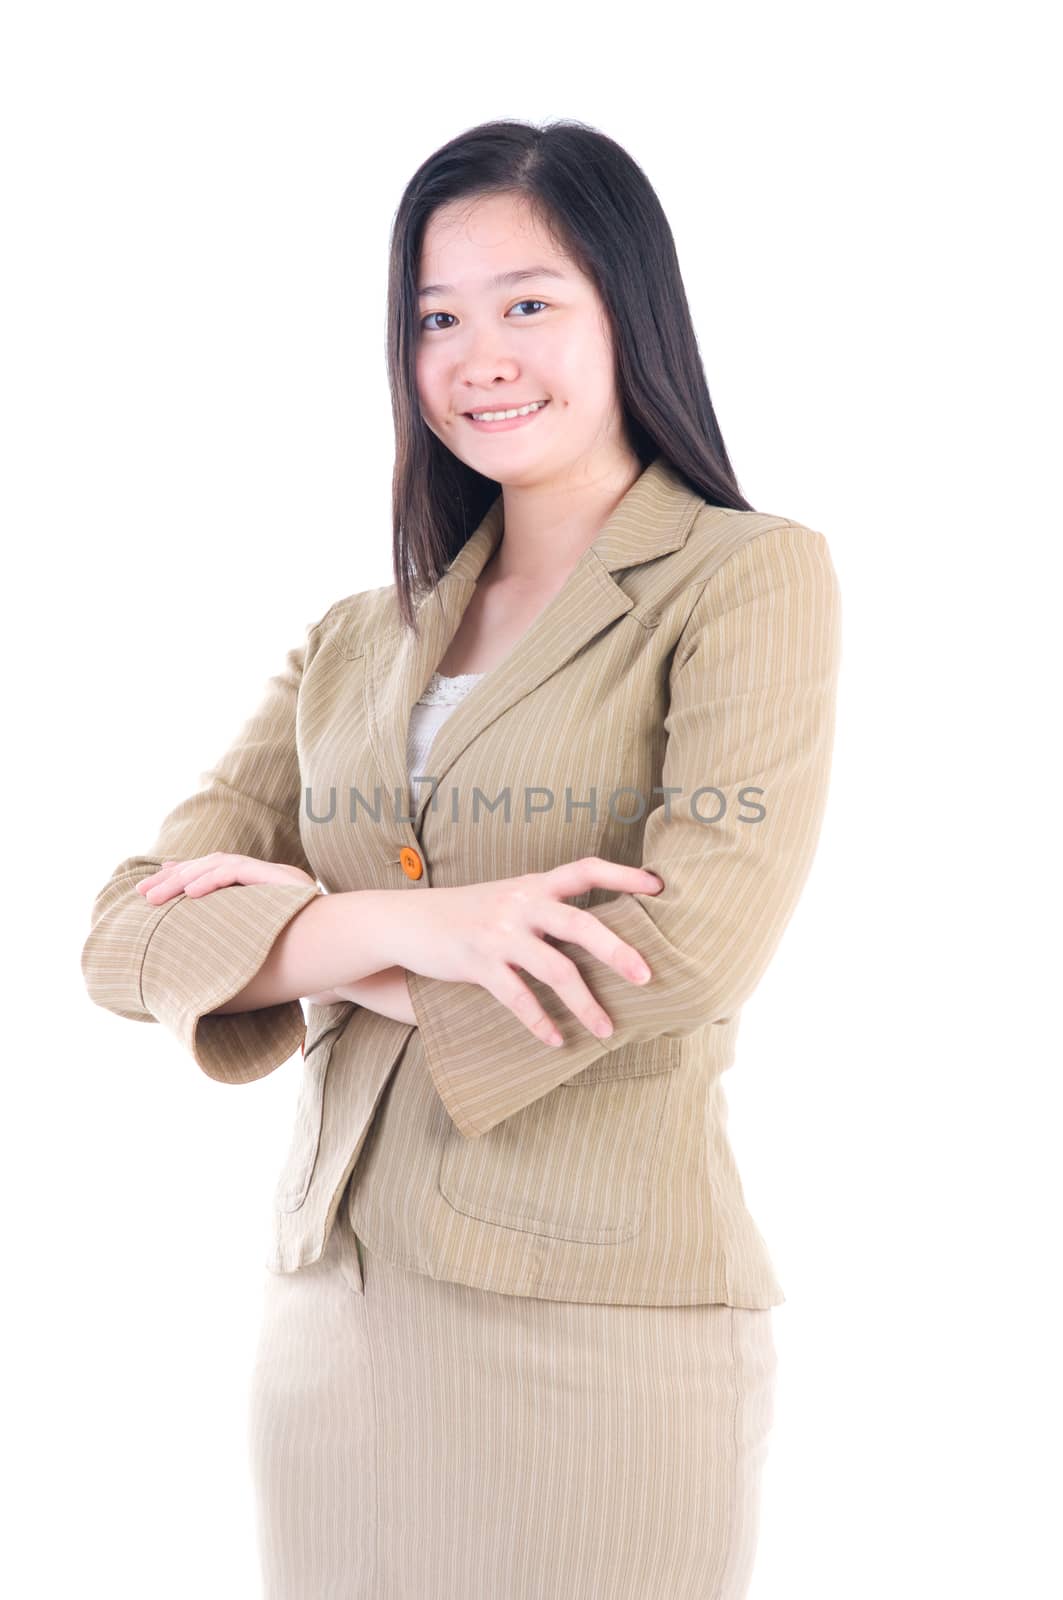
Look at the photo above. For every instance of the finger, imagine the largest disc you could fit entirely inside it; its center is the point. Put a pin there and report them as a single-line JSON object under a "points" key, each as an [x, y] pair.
{"points": [[594, 872], [240, 869], [559, 973], [551, 966], [217, 878], [581, 927], [231, 869], [191, 867], [512, 992], [162, 886], [163, 892], [156, 877]]}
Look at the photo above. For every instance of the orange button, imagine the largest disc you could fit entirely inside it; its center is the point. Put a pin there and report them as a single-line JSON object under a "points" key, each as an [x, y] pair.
{"points": [[412, 864]]}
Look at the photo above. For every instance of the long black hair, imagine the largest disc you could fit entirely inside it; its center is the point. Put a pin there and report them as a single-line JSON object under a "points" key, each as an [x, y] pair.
{"points": [[597, 205]]}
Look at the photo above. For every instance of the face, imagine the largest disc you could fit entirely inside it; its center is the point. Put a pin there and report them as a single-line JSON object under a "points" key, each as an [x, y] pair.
{"points": [[542, 335]]}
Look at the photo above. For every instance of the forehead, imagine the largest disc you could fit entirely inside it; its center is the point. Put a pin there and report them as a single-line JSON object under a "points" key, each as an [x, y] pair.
{"points": [[487, 244]]}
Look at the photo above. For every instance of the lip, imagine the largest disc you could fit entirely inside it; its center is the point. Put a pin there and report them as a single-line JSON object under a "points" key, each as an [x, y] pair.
{"points": [[507, 422]]}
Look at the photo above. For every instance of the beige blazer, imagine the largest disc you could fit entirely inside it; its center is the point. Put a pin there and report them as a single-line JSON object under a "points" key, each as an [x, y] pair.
{"points": [[672, 705]]}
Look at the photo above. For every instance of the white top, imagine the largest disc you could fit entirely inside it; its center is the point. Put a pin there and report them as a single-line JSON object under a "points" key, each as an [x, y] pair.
{"points": [[427, 717]]}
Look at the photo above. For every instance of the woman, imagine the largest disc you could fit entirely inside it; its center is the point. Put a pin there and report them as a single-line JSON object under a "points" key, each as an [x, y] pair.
{"points": [[516, 1336]]}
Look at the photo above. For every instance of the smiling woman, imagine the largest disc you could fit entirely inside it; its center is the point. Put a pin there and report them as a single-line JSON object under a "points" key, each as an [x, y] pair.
{"points": [[542, 358], [514, 1283]]}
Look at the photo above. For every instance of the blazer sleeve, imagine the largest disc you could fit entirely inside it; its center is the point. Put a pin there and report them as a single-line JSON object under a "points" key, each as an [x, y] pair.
{"points": [[175, 962], [752, 707]]}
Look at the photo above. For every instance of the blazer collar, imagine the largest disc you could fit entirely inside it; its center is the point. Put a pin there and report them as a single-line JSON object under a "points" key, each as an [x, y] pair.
{"points": [[654, 518]]}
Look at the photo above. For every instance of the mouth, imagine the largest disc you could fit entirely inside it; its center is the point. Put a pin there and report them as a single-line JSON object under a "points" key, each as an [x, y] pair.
{"points": [[506, 423]]}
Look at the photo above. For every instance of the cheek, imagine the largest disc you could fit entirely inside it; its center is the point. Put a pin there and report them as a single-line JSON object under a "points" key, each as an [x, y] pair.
{"points": [[432, 406], [427, 383], [581, 365]]}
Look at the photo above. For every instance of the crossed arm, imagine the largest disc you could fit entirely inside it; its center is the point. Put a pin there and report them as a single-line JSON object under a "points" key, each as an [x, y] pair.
{"points": [[753, 684]]}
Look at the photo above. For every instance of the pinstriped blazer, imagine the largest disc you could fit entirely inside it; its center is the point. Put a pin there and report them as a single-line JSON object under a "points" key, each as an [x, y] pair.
{"points": [[673, 705]]}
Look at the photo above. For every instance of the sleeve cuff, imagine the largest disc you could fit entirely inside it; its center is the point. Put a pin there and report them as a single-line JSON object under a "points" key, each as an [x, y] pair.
{"points": [[485, 1064], [201, 953]]}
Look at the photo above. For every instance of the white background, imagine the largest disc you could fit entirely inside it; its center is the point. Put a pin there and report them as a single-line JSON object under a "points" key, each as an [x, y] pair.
{"points": [[197, 440]]}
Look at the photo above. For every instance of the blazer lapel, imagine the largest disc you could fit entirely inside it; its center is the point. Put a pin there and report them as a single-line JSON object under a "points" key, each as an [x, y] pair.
{"points": [[653, 518]]}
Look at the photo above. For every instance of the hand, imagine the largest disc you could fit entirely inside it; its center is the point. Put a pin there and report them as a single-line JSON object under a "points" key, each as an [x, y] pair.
{"points": [[480, 932], [217, 871]]}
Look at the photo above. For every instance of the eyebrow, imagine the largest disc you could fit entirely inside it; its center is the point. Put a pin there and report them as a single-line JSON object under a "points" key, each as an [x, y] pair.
{"points": [[499, 281]]}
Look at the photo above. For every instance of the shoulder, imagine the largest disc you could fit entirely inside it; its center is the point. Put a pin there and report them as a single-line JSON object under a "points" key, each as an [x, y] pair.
{"points": [[732, 554], [721, 538], [351, 621], [726, 556], [756, 571]]}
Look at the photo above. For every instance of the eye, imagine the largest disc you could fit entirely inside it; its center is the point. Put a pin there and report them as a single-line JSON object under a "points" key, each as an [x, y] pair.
{"points": [[433, 314], [430, 314]]}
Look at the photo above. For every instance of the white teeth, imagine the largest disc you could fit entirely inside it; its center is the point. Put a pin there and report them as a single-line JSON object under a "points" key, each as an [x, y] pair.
{"points": [[497, 416]]}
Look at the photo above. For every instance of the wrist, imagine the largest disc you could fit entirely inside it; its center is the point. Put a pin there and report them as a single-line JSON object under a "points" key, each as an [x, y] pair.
{"points": [[390, 912]]}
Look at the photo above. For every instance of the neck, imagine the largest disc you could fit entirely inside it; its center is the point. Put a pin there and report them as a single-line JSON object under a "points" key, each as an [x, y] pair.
{"points": [[547, 527]]}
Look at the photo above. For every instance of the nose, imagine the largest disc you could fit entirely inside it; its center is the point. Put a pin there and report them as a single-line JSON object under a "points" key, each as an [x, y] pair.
{"points": [[485, 364]]}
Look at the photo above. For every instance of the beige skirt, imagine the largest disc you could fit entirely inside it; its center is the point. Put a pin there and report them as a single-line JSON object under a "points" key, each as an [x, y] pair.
{"points": [[412, 1439]]}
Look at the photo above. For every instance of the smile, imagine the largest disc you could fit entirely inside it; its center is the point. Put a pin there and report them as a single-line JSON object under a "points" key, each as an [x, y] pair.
{"points": [[503, 420]]}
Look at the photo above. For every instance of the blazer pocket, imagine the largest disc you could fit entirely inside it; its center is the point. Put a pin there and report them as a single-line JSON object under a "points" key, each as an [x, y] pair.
{"points": [[326, 1025], [568, 1166], [642, 1059]]}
